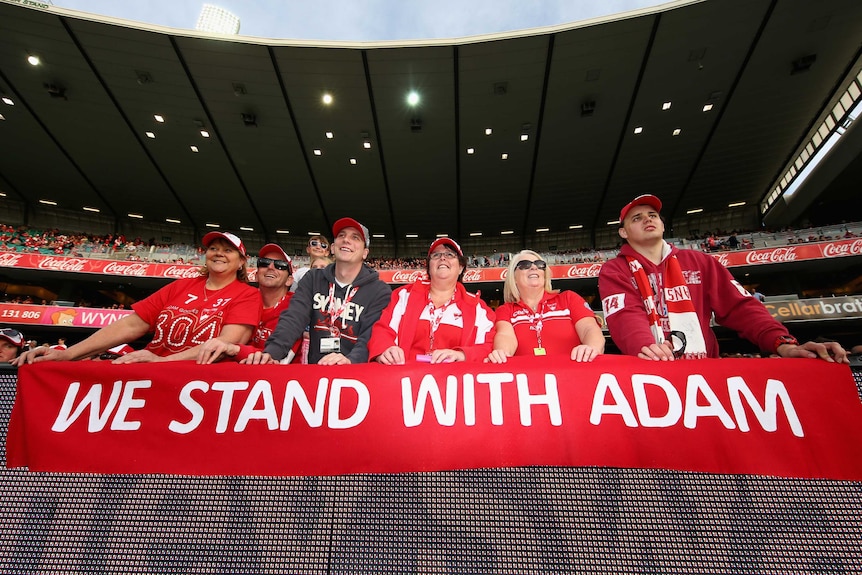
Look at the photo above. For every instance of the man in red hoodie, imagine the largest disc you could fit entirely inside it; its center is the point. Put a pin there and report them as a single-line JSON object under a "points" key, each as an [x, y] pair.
{"points": [[658, 299]]}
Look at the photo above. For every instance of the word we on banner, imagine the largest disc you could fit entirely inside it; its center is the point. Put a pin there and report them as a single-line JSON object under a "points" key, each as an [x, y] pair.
{"points": [[782, 417]]}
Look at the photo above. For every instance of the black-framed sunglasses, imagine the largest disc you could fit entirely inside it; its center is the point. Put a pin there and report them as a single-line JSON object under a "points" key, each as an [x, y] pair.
{"points": [[279, 264], [527, 264], [318, 244]]}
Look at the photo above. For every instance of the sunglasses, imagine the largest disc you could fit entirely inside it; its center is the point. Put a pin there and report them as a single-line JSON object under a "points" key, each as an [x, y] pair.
{"points": [[13, 334], [527, 264], [279, 264], [318, 244]]}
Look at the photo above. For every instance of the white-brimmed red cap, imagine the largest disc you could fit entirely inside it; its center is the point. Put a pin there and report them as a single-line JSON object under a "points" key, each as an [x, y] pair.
{"points": [[13, 336], [274, 248], [228, 237], [645, 199], [351, 223], [446, 242]]}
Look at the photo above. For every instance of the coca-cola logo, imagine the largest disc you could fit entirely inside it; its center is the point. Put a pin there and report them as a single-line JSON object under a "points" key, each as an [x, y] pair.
{"points": [[472, 276], [406, 277], [121, 269], [832, 250], [178, 272], [777, 255], [723, 259], [504, 274], [63, 264], [9, 260], [584, 271]]}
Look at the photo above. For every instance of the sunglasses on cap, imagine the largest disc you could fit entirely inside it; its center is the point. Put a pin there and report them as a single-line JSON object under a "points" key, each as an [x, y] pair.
{"points": [[318, 244], [527, 264], [13, 335], [279, 264]]}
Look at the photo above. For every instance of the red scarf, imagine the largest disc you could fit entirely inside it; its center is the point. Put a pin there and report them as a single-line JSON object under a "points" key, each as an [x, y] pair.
{"points": [[685, 331]]}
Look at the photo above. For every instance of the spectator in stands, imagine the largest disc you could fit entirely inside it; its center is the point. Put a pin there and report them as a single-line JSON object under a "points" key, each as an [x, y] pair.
{"points": [[535, 320], [319, 262], [318, 246], [219, 303], [340, 303], [757, 295], [11, 344], [316, 263], [733, 241], [274, 276], [434, 321], [658, 299], [61, 344]]}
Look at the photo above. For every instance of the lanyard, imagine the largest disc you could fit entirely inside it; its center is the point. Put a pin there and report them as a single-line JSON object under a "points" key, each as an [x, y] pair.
{"points": [[537, 326], [436, 314], [333, 312]]}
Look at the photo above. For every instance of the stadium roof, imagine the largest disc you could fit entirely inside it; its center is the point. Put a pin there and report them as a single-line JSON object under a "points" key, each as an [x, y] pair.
{"points": [[562, 104]]}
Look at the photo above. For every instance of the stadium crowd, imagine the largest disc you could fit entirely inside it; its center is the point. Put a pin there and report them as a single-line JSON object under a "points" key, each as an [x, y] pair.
{"points": [[25, 239], [658, 302]]}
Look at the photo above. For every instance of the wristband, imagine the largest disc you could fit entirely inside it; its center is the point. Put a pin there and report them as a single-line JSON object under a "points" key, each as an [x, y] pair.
{"points": [[785, 340]]}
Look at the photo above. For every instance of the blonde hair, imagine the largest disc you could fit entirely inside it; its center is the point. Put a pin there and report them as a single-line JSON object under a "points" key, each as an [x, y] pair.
{"points": [[319, 258], [511, 293]]}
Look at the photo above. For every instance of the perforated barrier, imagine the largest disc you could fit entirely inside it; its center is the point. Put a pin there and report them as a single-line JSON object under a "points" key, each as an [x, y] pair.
{"points": [[524, 520]]}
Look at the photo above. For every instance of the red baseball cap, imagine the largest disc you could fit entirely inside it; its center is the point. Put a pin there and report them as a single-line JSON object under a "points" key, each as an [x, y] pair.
{"points": [[282, 255], [351, 223], [13, 336], [446, 242], [228, 237], [647, 199], [274, 248]]}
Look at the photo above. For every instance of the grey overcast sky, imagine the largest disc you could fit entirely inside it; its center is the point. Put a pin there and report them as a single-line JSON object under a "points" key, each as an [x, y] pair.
{"points": [[365, 20]]}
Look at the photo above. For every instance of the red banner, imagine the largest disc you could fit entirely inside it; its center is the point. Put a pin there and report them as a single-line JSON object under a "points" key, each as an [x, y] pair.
{"points": [[796, 252], [796, 418], [59, 315]]}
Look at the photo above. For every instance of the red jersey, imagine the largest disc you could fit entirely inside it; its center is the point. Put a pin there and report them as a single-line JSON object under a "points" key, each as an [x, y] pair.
{"points": [[183, 314], [553, 322], [268, 320]]}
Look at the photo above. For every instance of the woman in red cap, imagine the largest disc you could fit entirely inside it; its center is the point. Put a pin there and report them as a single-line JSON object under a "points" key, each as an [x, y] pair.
{"points": [[434, 321], [536, 320], [182, 315]]}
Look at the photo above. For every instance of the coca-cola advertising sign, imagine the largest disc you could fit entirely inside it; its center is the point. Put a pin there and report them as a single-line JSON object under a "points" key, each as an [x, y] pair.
{"points": [[10, 260], [408, 277], [834, 250], [472, 275], [180, 272], [123, 269], [785, 254], [778, 255], [723, 259], [63, 264], [583, 271]]}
